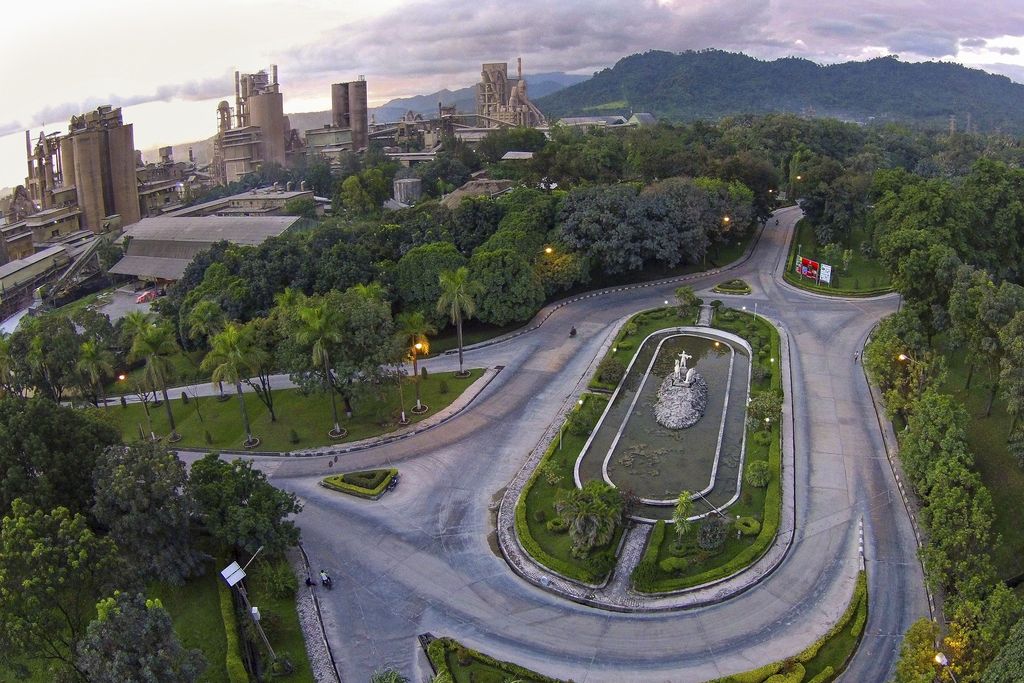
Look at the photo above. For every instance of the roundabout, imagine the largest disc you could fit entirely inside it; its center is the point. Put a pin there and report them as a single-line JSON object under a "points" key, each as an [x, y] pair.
{"points": [[426, 557]]}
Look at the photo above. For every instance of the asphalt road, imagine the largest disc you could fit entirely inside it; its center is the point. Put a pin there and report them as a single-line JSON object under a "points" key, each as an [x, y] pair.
{"points": [[424, 558]]}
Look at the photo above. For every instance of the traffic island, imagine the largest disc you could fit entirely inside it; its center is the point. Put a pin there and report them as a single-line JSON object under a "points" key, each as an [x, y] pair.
{"points": [[369, 484]]}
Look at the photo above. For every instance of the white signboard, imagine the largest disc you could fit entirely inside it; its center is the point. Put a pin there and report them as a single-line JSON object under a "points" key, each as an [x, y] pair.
{"points": [[825, 273]]}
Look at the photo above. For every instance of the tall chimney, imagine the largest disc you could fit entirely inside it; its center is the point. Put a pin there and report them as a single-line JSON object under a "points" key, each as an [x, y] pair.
{"points": [[273, 74], [28, 151], [519, 60]]}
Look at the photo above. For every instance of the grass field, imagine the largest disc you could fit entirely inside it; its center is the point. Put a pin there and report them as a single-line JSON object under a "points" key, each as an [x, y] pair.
{"points": [[308, 415], [998, 469], [865, 276], [195, 611]]}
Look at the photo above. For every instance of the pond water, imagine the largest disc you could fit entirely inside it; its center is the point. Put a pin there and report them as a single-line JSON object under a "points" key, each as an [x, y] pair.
{"points": [[635, 453]]}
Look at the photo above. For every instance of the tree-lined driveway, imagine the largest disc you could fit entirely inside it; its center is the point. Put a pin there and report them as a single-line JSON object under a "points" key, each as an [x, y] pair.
{"points": [[424, 558]]}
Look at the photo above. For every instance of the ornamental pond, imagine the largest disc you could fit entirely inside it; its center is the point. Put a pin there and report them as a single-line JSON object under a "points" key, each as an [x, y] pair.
{"points": [[630, 449]]}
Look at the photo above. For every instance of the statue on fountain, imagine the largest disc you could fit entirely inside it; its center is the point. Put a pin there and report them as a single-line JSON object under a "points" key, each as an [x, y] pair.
{"points": [[682, 397]]}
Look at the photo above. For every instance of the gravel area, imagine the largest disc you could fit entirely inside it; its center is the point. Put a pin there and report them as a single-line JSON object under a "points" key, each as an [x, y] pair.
{"points": [[309, 618]]}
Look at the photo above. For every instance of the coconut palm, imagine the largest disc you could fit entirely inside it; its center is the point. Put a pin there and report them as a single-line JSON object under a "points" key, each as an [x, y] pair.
{"points": [[94, 363], [154, 344], [413, 328], [231, 359], [681, 515], [320, 328], [6, 365], [204, 321], [458, 300], [592, 513], [134, 322]]}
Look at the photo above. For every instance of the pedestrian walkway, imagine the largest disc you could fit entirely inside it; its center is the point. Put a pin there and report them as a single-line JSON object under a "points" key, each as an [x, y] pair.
{"points": [[704, 318]]}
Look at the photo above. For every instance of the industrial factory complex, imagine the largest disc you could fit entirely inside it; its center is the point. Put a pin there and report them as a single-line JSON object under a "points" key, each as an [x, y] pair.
{"points": [[88, 185]]}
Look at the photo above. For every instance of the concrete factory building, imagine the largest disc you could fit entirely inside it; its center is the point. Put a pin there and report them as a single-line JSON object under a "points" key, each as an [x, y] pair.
{"points": [[161, 248], [349, 129], [503, 101], [92, 168], [256, 133]]}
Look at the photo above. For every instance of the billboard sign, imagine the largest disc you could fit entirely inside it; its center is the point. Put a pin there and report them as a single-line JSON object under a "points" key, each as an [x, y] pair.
{"points": [[825, 274], [807, 267]]}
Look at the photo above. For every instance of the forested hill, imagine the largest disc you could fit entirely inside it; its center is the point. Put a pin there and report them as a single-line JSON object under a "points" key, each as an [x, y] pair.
{"points": [[712, 83]]}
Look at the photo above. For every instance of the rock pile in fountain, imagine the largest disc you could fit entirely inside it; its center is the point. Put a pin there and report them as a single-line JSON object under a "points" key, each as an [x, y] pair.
{"points": [[681, 400]]}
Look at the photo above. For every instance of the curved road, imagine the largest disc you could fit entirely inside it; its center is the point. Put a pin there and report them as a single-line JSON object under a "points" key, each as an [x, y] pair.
{"points": [[424, 558]]}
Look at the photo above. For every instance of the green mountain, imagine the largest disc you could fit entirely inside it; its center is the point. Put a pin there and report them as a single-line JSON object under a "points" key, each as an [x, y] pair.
{"points": [[712, 83]]}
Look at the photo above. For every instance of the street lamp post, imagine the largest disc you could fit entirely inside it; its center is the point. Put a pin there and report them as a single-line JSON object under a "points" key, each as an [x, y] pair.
{"points": [[416, 348], [942, 660]]}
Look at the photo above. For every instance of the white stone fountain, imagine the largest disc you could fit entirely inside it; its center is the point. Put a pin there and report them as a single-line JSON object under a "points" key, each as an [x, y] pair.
{"points": [[682, 396]]}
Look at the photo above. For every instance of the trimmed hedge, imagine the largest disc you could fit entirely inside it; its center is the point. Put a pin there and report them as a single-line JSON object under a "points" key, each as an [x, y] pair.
{"points": [[735, 286], [794, 676], [748, 526], [439, 650], [342, 483], [232, 658], [769, 672]]}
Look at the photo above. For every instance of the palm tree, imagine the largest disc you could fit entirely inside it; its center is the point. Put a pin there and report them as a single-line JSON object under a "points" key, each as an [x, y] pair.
{"points": [[413, 328], [230, 359], [95, 362], [204, 321], [681, 515], [6, 364], [458, 299], [155, 343], [135, 322], [593, 513], [320, 328]]}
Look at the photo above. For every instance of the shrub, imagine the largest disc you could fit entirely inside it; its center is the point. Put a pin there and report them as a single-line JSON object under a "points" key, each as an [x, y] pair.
{"points": [[124, 402], [674, 565], [232, 659], [748, 526], [540, 516], [716, 304], [629, 329], [293, 436], [711, 534], [184, 398], [442, 387], [557, 525], [276, 578], [207, 437], [796, 675], [826, 675], [583, 419], [758, 474], [611, 370], [423, 372], [678, 549], [759, 373]]}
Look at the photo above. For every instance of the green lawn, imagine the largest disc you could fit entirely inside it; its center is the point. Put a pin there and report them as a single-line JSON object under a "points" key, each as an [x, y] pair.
{"points": [[309, 415], [865, 276], [1000, 472], [183, 368], [85, 302], [280, 620], [195, 609], [473, 332]]}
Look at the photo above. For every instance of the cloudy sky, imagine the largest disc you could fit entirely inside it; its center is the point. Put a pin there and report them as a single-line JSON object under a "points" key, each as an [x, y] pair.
{"points": [[169, 64]]}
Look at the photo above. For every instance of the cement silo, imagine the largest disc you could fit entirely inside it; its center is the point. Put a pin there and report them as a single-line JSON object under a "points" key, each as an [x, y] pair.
{"points": [[358, 114], [339, 105], [266, 110]]}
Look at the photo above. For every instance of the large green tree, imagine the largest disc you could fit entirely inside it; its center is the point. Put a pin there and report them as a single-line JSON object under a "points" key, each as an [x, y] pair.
{"points": [[512, 290], [132, 639], [47, 453], [416, 277], [53, 568], [240, 507], [140, 499]]}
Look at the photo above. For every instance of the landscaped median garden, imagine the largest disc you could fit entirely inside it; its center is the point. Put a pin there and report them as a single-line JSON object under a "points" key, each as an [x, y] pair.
{"points": [[365, 484], [455, 663], [303, 420], [735, 286], [576, 533], [717, 547]]}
